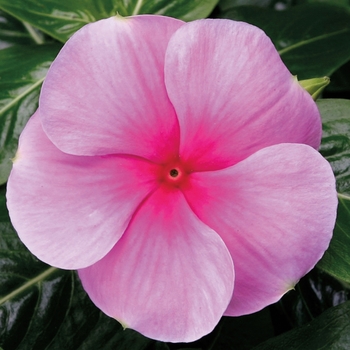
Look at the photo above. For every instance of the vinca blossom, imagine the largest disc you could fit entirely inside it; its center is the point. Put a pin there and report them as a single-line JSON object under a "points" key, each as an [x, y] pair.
{"points": [[175, 166]]}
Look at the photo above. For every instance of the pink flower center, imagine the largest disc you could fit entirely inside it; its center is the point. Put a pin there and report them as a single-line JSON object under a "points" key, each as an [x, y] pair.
{"points": [[173, 175]]}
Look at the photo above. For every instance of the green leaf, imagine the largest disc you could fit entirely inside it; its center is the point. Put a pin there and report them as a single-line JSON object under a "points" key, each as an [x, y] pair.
{"points": [[310, 38], [12, 32], [182, 9], [45, 308], [22, 70], [315, 293], [330, 331], [331, 2], [336, 149], [61, 18], [242, 332], [227, 4], [336, 260], [335, 145], [341, 80]]}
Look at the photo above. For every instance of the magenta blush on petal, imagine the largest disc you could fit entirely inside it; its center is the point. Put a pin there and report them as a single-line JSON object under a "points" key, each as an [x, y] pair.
{"points": [[267, 209], [70, 210], [105, 92], [170, 277], [174, 174], [233, 95]]}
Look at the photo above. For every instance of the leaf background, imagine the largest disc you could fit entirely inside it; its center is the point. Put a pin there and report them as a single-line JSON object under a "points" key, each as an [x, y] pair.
{"points": [[12, 32], [45, 308], [22, 71], [310, 38], [61, 18], [336, 149]]}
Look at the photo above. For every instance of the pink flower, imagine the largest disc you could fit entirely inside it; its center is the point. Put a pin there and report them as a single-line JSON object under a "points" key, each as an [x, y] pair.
{"points": [[171, 164]]}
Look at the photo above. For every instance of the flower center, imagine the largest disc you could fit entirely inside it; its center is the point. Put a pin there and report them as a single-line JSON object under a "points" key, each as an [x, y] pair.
{"points": [[173, 175]]}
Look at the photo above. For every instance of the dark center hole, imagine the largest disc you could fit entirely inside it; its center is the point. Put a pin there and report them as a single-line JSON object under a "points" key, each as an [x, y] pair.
{"points": [[174, 172]]}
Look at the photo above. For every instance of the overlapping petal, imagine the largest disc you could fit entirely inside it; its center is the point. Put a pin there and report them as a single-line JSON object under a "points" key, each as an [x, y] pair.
{"points": [[233, 95], [170, 277], [276, 212], [105, 91], [68, 210]]}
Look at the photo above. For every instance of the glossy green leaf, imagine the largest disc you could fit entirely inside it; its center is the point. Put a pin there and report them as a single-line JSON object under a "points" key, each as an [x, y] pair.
{"points": [[227, 4], [341, 80], [336, 149], [336, 260], [277, 4], [311, 39], [12, 32], [22, 71], [242, 332], [331, 2], [182, 9], [335, 145], [61, 18], [314, 294], [330, 331], [45, 308]]}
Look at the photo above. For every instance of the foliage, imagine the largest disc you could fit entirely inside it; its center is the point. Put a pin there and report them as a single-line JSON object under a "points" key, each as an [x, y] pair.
{"points": [[45, 308]]}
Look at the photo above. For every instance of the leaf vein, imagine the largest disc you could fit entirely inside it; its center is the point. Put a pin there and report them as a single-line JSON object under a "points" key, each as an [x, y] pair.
{"points": [[137, 7], [30, 283], [20, 96], [309, 41]]}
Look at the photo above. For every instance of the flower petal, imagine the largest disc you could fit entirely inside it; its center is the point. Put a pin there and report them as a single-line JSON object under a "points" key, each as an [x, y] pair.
{"points": [[105, 91], [170, 277], [233, 95], [69, 210], [276, 212]]}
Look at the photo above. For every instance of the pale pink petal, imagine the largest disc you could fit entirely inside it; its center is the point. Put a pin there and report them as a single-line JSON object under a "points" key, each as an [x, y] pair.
{"points": [[233, 95], [275, 211], [105, 91], [169, 277], [69, 210]]}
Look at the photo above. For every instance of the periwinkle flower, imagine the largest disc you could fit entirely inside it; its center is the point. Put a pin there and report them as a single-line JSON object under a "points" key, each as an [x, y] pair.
{"points": [[174, 165]]}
